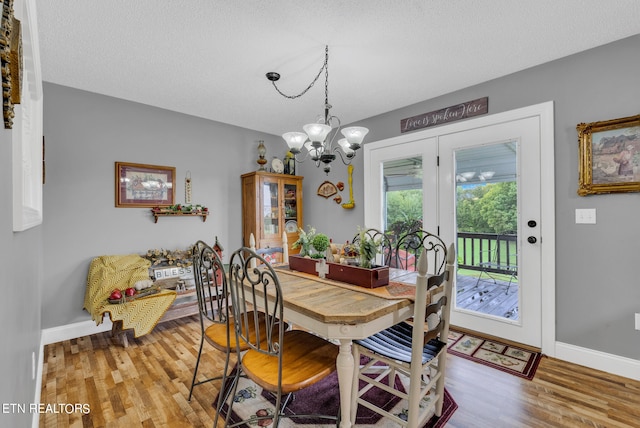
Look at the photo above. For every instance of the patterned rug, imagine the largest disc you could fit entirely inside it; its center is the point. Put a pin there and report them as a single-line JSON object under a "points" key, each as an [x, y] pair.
{"points": [[323, 398], [501, 356]]}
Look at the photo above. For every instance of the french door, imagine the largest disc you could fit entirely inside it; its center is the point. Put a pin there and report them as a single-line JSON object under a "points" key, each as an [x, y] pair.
{"points": [[503, 150]]}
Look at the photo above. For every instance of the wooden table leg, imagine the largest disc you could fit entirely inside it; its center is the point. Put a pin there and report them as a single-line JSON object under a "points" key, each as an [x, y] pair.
{"points": [[118, 332], [345, 367]]}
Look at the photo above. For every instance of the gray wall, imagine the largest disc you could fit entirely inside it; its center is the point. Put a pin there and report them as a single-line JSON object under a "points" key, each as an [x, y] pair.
{"points": [[597, 286], [20, 301], [85, 135]]}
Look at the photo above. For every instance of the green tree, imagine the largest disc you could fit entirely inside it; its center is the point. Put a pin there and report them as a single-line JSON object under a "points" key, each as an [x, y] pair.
{"points": [[487, 208], [404, 206], [499, 207], [468, 216]]}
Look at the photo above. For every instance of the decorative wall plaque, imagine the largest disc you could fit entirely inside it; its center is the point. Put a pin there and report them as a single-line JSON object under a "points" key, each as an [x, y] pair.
{"points": [[445, 115], [327, 189]]}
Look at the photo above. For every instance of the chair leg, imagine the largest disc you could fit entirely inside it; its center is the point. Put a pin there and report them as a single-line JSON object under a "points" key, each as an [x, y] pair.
{"points": [[233, 389], [195, 370], [511, 278], [223, 395]]}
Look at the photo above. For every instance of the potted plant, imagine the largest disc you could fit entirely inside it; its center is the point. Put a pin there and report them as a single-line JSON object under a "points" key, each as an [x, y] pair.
{"points": [[368, 249], [304, 241], [320, 243]]}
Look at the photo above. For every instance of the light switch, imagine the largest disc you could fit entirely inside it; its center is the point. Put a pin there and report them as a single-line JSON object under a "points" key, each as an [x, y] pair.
{"points": [[586, 216]]}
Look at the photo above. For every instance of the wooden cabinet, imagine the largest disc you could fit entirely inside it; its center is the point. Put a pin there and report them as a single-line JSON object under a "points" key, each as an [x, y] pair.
{"points": [[271, 206]]}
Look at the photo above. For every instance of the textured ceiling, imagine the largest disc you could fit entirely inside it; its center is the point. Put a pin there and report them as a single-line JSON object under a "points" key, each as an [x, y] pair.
{"points": [[208, 58]]}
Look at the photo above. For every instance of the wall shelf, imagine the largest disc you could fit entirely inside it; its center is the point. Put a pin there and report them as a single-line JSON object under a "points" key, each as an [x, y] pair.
{"points": [[168, 213]]}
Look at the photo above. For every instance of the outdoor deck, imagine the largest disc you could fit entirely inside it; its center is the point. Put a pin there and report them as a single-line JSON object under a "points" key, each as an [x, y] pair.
{"points": [[488, 298]]}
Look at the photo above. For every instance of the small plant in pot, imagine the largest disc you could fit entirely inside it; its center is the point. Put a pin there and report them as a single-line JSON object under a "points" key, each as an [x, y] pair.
{"points": [[304, 241], [320, 243], [368, 249]]}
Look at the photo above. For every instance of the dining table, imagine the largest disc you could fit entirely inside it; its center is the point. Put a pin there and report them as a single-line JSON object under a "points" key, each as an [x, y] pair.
{"points": [[342, 312]]}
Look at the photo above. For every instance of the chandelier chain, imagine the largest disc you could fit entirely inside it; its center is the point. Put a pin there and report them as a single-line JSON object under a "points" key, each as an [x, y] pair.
{"points": [[324, 67], [326, 77]]}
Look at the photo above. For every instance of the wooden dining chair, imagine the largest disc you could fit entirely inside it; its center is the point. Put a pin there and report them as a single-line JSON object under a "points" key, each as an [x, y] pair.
{"points": [[409, 246], [412, 349], [285, 361], [274, 255]]}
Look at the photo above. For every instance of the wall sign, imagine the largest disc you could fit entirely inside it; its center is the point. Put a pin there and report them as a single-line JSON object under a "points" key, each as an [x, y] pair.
{"points": [[445, 115], [172, 272]]}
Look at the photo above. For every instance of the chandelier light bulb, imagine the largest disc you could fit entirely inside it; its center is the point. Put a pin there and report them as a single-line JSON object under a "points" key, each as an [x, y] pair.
{"points": [[346, 147], [317, 132], [295, 140], [355, 135], [314, 152]]}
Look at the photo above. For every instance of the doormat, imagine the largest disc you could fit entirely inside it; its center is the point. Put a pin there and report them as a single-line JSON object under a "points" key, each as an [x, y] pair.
{"points": [[507, 358], [323, 398]]}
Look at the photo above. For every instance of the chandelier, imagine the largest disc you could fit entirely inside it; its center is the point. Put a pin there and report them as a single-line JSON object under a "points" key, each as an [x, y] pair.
{"points": [[318, 138]]}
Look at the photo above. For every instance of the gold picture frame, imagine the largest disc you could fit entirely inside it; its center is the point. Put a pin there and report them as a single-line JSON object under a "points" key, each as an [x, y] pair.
{"points": [[609, 156], [140, 185]]}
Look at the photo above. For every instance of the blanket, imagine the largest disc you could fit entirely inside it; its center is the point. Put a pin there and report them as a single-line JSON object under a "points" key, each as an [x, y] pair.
{"points": [[107, 273]]}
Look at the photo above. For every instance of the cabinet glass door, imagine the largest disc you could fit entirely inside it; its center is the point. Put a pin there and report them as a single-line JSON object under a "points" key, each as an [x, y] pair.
{"points": [[270, 214], [290, 208]]}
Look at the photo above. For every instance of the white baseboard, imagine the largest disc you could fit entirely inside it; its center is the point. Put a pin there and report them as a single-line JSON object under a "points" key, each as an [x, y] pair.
{"points": [[614, 364], [73, 331]]}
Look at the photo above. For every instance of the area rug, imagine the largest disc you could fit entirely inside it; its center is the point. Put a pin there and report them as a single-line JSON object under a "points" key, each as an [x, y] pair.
{"points": [[323, 398], [507, 358]]}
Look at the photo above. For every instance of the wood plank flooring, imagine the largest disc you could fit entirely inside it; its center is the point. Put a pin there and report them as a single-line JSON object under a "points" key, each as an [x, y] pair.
{"points": [[488, 298], [147, 384]]}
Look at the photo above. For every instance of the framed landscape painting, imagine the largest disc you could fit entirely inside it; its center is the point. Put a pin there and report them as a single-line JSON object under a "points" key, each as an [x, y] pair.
{"points": [[609, 156], [140, 185]]}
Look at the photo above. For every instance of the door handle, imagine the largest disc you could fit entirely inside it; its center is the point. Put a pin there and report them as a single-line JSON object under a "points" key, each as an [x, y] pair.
{"points": [[532, 240]]}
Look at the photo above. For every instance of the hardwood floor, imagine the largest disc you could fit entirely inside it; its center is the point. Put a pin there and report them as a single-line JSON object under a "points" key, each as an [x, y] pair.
{"points": [[147, 384]]}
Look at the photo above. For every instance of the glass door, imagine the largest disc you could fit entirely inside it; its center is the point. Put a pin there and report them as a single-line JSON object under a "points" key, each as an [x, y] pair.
{"points": [[291, 210], [271, 210], [489, 204], [402, 195], [481, 189], [401, 185], [487, 229]]}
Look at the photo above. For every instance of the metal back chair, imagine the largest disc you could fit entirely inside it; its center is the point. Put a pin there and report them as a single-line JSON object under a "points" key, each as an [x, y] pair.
{"points": [[211, 290], [409, 247], [384, 250], [499, 261], [410, 350], [281, 361]]}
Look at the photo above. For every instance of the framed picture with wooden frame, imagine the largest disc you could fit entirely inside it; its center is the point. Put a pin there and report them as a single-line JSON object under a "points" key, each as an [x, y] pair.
{"points": [[609, 156], [140, 185]]}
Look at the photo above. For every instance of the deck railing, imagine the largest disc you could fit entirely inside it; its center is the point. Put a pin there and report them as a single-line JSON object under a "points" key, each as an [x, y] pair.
{"points": [[489, 252]]}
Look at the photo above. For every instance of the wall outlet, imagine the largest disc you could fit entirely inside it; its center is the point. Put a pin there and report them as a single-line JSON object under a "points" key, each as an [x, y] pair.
{"points": [[637, 321]]}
